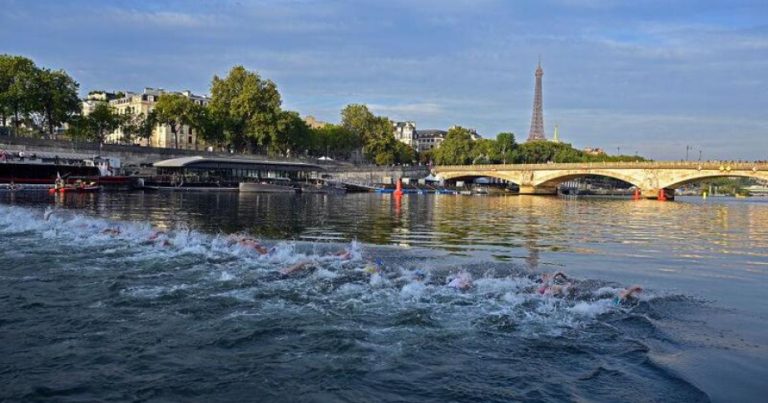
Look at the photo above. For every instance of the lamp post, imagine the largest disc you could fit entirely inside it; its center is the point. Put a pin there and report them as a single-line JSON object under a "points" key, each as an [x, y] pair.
{"points": [[687, 148], [699, 154]]}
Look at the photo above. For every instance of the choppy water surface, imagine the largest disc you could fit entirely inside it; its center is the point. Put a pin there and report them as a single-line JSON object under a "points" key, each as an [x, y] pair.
{"points": [[147, 297]]}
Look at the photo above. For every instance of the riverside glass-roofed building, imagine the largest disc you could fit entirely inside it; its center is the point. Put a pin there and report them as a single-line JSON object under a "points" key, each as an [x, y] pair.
{"points": [[232, 170]]}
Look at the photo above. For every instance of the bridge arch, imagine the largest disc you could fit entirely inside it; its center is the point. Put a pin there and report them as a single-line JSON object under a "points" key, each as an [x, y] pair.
{"points": [[681, 180], [452, 176], [556, 178]]}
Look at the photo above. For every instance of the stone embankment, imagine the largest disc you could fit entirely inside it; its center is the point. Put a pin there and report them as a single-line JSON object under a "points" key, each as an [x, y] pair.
{"points": [[139, 160], [129, 155], [371, 175]]}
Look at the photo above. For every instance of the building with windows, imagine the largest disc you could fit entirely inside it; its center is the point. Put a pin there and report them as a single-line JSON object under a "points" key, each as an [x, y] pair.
{"points": [[429, 139], [95, 97], [163, 136], [405, 132], [424, 140]]}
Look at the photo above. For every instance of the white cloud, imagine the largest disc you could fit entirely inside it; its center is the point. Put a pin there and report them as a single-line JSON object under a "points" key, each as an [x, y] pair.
{"points": [[161, 19], [405, 110]]}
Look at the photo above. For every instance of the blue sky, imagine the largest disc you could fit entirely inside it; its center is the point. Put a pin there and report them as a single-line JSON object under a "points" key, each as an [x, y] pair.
{"points": [[646, 76]]}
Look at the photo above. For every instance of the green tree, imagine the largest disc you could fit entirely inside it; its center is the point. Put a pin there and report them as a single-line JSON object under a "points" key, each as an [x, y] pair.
{"points": [[174, 110], [138, 126], [247, 106], [17, 89], [291, 134], [357, 119], [332, 141], [404, 153], [379, 144], [103, 120], [505, 146], [56, 101], [375, 133], [456, 149], [207, 125], [426, 157], [484, 151], [97, 124]]}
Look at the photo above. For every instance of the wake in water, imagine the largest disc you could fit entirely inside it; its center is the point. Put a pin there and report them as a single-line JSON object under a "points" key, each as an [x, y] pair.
{"points": [[341, 307], [547, 299]]}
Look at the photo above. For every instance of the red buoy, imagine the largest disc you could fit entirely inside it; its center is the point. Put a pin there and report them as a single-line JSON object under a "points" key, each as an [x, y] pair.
{"points": [[399, 188]]}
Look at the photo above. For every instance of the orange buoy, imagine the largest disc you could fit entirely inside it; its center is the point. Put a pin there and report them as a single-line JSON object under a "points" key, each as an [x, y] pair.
{"points": [[399, 188], [662, 195]]}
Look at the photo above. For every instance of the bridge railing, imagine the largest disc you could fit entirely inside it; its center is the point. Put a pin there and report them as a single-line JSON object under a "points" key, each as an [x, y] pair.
{"points": [[703, 165]]}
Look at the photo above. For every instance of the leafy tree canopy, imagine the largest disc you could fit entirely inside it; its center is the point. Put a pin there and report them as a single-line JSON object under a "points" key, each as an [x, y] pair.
{"points": [[456, 149], [40, 98], [247, 106], [174, 110]]}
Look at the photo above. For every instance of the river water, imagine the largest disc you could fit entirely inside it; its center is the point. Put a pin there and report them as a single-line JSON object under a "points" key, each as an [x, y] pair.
{"points": [[147, 296]]}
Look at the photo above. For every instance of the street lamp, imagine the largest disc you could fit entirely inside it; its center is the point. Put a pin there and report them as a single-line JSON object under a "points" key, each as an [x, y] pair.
{"points": [[699, 154], [687, 147], [618, 150]]}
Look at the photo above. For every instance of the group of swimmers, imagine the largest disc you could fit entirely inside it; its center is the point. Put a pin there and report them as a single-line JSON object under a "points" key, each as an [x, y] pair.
{"points": [[550, 284]]}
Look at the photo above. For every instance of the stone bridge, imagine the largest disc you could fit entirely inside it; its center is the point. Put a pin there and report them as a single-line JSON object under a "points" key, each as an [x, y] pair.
{"points": [[650, 177]]}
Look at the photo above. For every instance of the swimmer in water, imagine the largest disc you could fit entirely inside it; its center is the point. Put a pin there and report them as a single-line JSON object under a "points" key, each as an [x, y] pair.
{"points": [[47, 214], [155, 234], [628, 294], [304, 264], [372, 268], [344, 254], [556, 284], [248, 242], [111, 231], [461, 281], [158, 236]]}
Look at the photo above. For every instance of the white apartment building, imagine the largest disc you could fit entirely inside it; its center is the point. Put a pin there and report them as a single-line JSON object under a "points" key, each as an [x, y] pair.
{"points": [[94, 98], [429, 139], [405, 132], [423, 140], [162, 135]]}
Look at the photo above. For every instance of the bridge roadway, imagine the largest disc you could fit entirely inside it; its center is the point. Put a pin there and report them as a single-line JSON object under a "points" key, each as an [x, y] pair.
{"points": [[651, 178]]}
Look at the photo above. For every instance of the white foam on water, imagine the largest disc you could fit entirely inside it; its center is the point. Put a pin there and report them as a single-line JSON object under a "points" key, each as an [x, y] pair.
{"points": [[592, 309], [246, 294], [387, 290], [492, 285], [323, 273], [513, 299]]}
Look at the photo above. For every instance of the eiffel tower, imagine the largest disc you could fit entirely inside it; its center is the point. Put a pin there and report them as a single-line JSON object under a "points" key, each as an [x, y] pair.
{"points": [[537, 118]]}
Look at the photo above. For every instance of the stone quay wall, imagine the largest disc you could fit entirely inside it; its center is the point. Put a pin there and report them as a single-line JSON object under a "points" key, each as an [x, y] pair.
{"points": [[138, 160], [376, 175], [130, 156]]}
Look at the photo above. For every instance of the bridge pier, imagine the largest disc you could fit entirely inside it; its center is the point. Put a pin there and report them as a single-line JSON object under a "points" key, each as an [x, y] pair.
{"points": [[655, 194], [538, 190]]}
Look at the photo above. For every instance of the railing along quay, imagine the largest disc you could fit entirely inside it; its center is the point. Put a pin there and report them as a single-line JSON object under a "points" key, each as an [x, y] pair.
{"points": [[699, 165]]}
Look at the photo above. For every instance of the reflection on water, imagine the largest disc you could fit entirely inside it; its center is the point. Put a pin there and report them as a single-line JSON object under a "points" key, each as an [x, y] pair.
{"points": [[99, 303], [512, 227]]}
